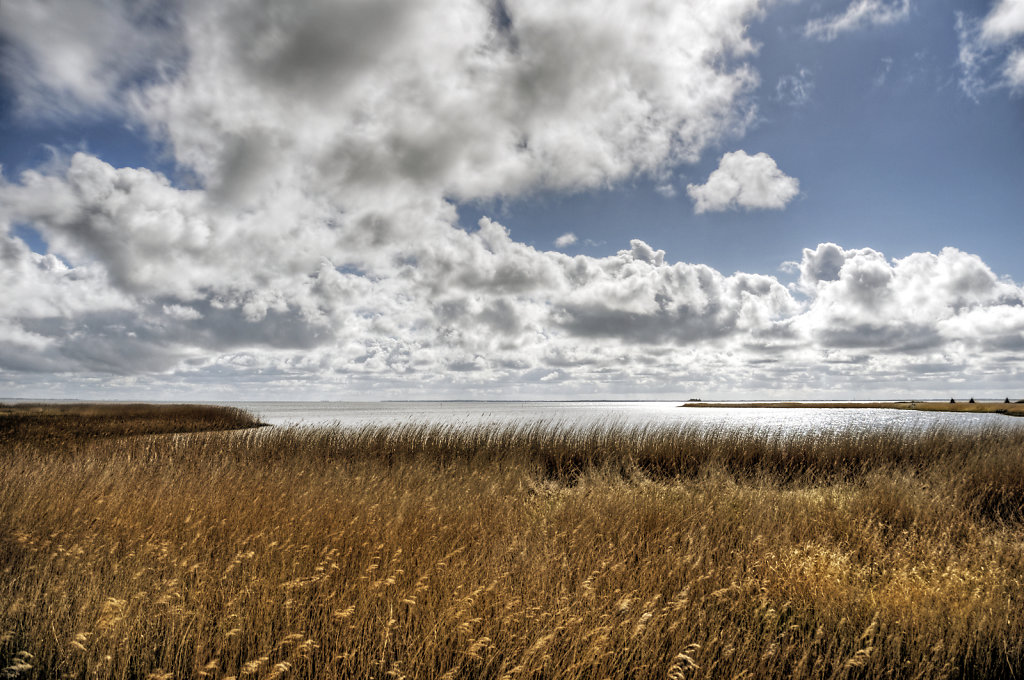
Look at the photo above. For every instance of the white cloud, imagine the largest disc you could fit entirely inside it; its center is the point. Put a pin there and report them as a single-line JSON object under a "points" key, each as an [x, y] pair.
{"points": [[860, 14], [744, 181], [565, 240], [862, 300], [1014, 70], [1004, 22], [990, 52], [972, 56], [154, 239], [665, 189], [638, 298], [182, 312], [73, 58], [435, 96]]}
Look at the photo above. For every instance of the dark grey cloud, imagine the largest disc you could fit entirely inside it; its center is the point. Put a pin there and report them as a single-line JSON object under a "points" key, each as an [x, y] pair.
{"points": [[681, 326], [1008, 342], [888, 337], [501, 316], [313, 49]]}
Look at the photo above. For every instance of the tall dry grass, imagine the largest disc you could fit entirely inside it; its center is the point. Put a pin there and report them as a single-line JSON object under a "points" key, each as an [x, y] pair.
{"points": [[521, 551]]}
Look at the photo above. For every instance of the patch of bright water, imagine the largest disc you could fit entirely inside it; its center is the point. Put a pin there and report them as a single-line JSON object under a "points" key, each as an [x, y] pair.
{"points": [[581, 413]]}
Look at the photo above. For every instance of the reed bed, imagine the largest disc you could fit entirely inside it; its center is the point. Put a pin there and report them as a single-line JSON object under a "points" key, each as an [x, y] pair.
{"points": [[514, 551], [36, 423]]}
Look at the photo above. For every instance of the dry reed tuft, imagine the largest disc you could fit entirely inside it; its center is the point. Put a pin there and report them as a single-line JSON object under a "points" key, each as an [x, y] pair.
{"points": [[519, 551]]}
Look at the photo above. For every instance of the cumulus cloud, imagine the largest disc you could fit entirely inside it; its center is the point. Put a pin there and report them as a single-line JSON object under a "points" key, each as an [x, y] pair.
{"points": [[442, 97], [744, 181], [860, 14], [152, 238], [820, 265], [860, 299], [636, 296]]}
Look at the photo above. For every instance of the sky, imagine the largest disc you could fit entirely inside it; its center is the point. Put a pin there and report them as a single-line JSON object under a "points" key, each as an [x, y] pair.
{"points": [[511, 199]]}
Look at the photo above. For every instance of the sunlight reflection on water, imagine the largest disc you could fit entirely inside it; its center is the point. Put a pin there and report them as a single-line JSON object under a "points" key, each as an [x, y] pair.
{"points": [[349, 414]]}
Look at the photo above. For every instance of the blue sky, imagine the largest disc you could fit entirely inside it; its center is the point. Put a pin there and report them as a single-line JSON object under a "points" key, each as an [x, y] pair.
{"points": [[474, 199]]}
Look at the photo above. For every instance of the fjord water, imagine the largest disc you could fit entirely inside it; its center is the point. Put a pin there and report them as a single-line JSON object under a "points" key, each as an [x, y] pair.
{"points": [[603, 413]]}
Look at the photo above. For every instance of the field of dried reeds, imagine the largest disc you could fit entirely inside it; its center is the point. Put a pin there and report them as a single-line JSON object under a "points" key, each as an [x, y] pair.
{"points": [[53, 424], [518, 551]]}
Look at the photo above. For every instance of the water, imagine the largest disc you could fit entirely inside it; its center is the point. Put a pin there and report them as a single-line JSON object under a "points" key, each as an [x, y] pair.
{"points": [[582, 413]]}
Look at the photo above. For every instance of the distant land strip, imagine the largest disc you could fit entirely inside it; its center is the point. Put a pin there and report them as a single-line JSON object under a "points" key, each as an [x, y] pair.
{"points": [[1011, 409]]}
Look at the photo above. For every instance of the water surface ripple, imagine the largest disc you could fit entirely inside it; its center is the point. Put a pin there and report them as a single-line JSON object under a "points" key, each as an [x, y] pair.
{"points": [[605, 413]]}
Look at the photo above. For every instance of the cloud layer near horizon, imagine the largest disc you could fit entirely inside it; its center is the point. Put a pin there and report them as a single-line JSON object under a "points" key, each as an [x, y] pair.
{"points": [[474, 311], [316, 243]]}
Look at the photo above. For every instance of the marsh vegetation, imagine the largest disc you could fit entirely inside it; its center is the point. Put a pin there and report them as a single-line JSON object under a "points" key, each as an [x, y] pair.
{"points": [[511, 551]]}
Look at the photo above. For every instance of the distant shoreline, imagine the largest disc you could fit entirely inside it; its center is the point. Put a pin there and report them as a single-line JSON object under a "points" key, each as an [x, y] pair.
{"points": [[1012, 409]]}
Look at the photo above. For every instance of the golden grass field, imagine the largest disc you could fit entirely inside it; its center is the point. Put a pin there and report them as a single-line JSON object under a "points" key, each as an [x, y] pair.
{"points": [[508, 552]]}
